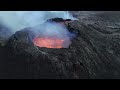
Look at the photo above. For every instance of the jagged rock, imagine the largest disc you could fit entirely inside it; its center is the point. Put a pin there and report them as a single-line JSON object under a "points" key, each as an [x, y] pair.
{"points": [[58, 20]]}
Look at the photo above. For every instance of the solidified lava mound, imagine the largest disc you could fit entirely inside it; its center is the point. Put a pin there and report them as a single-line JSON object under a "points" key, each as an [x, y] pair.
{"points": [[58, 20], [93, 54]]}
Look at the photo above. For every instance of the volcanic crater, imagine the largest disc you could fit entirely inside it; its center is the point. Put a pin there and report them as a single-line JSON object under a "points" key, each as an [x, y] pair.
{"points": [[94, 52]]}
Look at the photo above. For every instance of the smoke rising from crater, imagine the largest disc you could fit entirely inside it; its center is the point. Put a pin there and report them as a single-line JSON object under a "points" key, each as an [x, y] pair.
{"points": [[53, 31], [18, 20]]}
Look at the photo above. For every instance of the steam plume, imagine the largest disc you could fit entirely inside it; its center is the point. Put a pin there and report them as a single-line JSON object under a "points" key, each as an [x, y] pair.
{"points": [[18, 20]]}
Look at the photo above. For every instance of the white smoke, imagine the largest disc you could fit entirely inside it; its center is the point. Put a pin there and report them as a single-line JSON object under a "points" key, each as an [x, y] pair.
{"points": [[53, 30], [18, 20]]}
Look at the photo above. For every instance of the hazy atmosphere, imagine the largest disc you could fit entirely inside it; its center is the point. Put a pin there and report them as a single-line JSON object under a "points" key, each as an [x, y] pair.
{"points": [[20, 19]]}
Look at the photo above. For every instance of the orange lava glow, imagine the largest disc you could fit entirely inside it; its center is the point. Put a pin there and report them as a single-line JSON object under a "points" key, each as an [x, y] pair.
{"points": [[48, 42]]}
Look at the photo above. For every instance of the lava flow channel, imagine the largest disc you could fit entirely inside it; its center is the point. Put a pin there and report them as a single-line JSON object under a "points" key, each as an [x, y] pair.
{"points": [[48, 42]]}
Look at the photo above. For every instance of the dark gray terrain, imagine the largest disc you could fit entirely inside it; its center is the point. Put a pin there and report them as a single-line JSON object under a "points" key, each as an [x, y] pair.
{"points": [[93, 54]]}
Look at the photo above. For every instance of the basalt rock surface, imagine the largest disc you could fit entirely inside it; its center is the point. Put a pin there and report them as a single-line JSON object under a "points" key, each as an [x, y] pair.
{"points": [[93, 54]]}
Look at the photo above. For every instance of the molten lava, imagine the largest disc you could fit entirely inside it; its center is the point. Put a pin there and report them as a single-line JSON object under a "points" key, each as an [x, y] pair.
{"points": [[48, 42]]}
